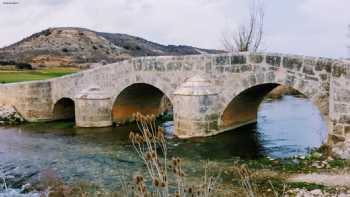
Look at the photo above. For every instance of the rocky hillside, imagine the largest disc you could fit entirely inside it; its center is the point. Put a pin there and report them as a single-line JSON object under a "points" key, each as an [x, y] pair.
{"points": [[79, 47]]}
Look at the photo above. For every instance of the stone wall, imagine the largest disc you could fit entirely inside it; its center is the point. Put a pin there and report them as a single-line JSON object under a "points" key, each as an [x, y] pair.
{"points": [[31, 99]]}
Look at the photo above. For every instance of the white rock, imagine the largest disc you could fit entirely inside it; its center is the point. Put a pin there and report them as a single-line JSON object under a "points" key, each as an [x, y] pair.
{"points": [[316, 192], [342, 150], [9, 115]]}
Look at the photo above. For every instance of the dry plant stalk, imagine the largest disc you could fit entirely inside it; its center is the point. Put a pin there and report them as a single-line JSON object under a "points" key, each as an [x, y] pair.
{"points": [[249, 187], [167, 177]]}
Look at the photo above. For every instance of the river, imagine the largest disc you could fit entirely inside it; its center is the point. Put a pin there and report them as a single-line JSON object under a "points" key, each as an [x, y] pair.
{"points": [[285, 127]]}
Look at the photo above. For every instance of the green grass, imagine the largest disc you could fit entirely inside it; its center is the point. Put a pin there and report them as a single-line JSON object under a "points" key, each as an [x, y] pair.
{"points": [[12, 76]]}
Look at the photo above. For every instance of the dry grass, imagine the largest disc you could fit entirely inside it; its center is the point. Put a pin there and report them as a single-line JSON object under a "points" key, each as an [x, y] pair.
{"points": [[167, 178], [251, 188]]}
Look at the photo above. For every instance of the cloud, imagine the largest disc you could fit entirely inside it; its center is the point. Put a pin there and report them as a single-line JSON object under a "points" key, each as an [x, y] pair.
{"points": [[309, 27], [313, 27], [196, 22]]}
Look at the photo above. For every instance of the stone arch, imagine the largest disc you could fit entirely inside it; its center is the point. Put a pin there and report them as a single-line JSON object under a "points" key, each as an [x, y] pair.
{"points": [[64, 109], [314, 88], [139, 97], [244, 106]]}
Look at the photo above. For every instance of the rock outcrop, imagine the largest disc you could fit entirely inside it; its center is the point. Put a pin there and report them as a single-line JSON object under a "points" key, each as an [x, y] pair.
{"points": [[10, 116]]}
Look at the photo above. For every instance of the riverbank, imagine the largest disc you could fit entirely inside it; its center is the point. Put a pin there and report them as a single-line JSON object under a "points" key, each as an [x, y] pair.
{"points": [[315, 174]]}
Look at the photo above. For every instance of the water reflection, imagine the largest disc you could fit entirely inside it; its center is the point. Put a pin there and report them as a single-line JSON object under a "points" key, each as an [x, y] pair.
{"points": [[290, 126], [243, 142]]}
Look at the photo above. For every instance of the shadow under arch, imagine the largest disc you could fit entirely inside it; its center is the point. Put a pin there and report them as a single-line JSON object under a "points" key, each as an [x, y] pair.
{"points": [[64, 109], [140, 97], [243, 108]]}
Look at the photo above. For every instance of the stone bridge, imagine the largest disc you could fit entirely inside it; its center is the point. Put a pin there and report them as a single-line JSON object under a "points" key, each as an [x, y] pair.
{"points": [[208, 94]]}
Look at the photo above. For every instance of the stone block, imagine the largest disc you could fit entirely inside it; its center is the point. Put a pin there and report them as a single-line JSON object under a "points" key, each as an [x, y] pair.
{"points": [[347, 130], [290, 80], [159, 66], [232, 69], [340, 108], [324, 64], [338, 130], [260, 77], [308, 69], [256, 58], [273, 60], [214, 125], [208, 67], [270, 77], [246, 68], [338, 70], [293, 63], [187, 66], [311, 78], [252, 79], [137, 64], [220, 68], [238, 59], [324, 76], [344, 119], [222, 60]]}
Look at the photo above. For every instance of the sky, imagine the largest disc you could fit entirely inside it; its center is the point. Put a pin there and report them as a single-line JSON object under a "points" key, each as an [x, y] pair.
{"points": [[304, 27]]}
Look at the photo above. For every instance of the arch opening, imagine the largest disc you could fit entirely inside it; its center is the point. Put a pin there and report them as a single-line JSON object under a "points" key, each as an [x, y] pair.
{"points": [[286, 121], [243, 108], [143, 98], [64, 109]]}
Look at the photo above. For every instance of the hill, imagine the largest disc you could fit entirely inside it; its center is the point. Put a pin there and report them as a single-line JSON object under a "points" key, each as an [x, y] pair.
{"points": [[70, 46]]}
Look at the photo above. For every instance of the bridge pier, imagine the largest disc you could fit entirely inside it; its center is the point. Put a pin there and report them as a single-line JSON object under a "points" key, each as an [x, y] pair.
{"points": [[92, 108], [195, 108]]}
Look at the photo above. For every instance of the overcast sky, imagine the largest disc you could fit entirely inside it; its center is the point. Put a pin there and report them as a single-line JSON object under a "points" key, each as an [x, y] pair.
{"points": [[306, 27]]}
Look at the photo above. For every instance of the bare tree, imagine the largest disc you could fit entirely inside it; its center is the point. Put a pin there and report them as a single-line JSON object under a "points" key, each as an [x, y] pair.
{"points": [[348, 40], [248, 36]]}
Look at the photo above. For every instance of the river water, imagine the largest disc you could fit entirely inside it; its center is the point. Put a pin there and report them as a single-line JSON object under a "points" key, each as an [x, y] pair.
{"points": [[285, 127]]}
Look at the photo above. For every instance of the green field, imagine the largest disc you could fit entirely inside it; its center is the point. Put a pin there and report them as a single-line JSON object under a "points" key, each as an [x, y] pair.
{"points": [[12, 76]]}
